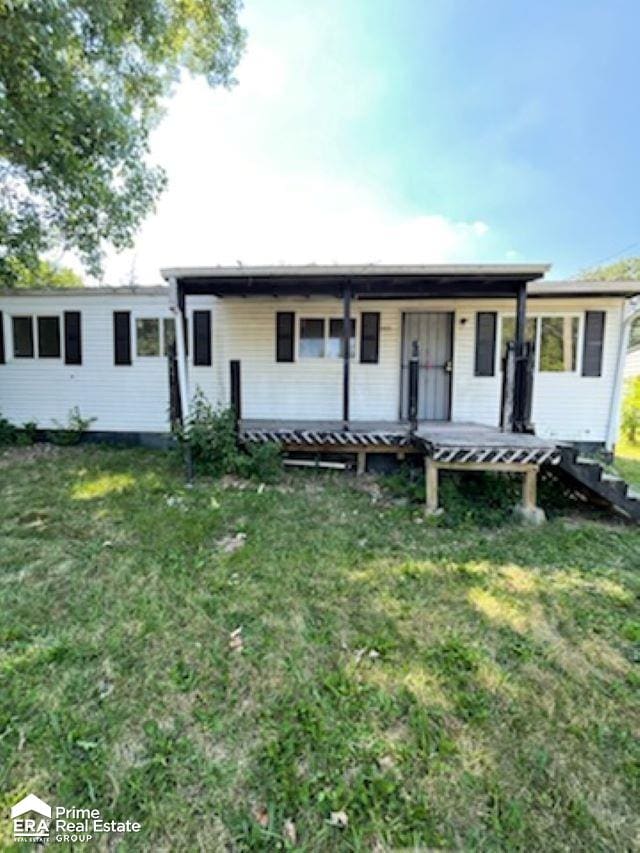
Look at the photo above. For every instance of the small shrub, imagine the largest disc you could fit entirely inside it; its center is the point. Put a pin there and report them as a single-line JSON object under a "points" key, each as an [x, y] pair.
{"points": [[407, 482], [211, 435], [261, 462], [71, 432], [27, 433], [8, 432]]}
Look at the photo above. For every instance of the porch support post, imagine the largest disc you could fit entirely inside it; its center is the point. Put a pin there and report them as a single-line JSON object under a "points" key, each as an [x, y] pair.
{"points": [[519, 375], [346, 352], [431, 486], [176, 304]]}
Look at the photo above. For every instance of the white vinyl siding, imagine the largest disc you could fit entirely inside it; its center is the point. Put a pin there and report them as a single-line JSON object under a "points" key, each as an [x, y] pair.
{"points": [[134, 398]]}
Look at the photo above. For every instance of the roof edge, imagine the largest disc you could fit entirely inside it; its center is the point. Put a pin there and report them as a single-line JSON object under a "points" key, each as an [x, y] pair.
{"points": [[533, 270], [101, 290]]}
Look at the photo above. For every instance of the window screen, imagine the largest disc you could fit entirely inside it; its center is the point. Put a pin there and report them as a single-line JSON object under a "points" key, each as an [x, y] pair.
{"points": [[147, 336], [334, 344], [311, 338], [558, 344]]}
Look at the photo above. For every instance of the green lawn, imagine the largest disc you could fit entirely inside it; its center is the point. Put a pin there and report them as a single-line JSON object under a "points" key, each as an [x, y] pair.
{"points": [[443, 687]]}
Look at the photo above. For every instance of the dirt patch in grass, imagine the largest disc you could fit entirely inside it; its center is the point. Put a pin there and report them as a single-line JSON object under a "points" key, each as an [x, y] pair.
{"points": [[470, 687]]}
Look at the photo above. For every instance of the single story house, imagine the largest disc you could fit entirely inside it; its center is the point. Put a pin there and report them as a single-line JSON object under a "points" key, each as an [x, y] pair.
{"points": [[330, 352]]}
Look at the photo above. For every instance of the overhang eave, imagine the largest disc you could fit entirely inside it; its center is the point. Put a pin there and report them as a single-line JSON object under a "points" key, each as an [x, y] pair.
{"points": [[363, 287]]}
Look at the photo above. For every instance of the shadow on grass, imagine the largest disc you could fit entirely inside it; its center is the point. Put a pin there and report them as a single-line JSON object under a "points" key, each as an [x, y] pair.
{"points": [[443, 687]]}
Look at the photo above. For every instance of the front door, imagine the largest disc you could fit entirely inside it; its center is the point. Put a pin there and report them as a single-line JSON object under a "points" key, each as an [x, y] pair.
{"points": [[433, 333]]}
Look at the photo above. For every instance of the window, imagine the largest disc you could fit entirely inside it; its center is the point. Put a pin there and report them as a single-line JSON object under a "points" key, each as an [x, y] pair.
{"points": [[169, 330], [147, 336], [558, 343], [509, 332], [320, 338], [334, 344], [312, 338], [22, 337], [48, 337]]}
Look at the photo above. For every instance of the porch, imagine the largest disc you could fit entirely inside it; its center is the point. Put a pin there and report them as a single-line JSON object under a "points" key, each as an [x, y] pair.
{"points": [[444, 441], [445, 445]]}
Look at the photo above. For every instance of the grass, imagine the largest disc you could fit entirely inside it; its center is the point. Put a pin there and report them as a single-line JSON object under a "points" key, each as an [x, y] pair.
{"points": [[627, 462], [456, 687]]}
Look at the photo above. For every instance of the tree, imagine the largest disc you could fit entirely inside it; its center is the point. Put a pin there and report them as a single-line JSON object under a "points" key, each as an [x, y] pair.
{"points": [[46, 274], [81, 86], [628, 269]]}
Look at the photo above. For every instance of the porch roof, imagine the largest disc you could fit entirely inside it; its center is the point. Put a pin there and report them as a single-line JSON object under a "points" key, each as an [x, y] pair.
{"points": [[370, 280]]}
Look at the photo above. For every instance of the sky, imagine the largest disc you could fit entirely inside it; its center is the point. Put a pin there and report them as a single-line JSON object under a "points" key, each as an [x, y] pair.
{"points": [[406, 131]]}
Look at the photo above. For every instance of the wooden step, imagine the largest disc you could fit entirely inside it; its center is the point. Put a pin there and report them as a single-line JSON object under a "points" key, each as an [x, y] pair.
{"points": [[600, 484]]}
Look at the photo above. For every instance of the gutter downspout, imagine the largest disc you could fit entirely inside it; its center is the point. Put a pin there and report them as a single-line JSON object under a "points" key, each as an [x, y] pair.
{"points": [[630, 310], [181, 352]]}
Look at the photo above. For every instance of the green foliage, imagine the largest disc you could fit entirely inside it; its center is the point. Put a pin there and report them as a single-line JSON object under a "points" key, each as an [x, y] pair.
{"points": [[45, 275], [11, 434], [474, 498], [631, 410], [628, 269], [261, 462], [81, 86], [211, 435], [71, 432], [479, 498], [8, 432]]}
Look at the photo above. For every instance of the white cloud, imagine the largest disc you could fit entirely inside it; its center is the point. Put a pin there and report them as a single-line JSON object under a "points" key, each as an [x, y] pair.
{"points": [[243, 185]]}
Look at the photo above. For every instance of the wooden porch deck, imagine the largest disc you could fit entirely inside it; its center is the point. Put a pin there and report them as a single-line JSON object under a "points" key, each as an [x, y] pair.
{"points": [[444, 441], [445, 445]]}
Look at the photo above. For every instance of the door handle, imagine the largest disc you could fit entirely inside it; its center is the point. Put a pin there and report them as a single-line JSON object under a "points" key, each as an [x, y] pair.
{"points": [[448, 366]]}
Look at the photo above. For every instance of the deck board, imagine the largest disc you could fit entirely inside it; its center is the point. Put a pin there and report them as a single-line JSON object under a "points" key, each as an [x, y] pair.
{"points": [[393, 427], [444, 441], [449, 434]]}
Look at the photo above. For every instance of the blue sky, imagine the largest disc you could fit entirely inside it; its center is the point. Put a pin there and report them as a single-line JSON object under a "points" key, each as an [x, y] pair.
{"points": [[406, 130]]}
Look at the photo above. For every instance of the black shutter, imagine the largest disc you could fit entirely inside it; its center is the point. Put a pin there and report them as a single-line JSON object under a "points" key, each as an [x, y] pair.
{"points": [[122, 337], [202, 338], [72, 338], [23, 337], [593, 342], [48, 337], [369, 337], [485, 343], [284, 335], [2, 358]]}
